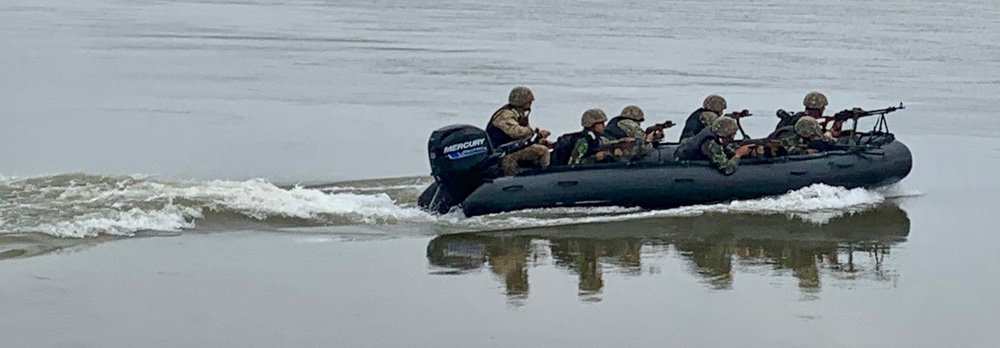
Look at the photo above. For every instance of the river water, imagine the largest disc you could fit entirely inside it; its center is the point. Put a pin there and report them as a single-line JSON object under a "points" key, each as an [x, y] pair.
{"points": [[229, 173]]}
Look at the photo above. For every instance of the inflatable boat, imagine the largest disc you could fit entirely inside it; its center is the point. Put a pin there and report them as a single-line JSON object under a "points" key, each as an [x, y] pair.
{"points": [[464, 167]]}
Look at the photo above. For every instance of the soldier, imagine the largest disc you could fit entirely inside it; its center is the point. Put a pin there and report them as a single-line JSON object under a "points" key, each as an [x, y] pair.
{"points": [[587, 144], [711, 109], [510, 123], [713, 144], [805, 138], [815, 104], [628, 125]]}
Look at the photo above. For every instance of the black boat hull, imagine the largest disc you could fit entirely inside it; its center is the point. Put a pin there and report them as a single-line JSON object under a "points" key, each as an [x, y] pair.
{"points": [[666, 184]]}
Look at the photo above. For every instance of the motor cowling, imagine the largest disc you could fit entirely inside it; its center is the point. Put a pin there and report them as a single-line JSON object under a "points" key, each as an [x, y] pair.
{"points": [[457, 148], [461, 157]]}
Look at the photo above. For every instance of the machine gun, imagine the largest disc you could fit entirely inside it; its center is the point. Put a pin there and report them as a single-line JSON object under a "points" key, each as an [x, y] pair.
{"points": [[858, 113], [739, 114], [881, 126]]}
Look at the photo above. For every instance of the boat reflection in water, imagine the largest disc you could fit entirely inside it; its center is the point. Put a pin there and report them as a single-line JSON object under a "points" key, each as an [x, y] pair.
{"points": [[851, 247]]}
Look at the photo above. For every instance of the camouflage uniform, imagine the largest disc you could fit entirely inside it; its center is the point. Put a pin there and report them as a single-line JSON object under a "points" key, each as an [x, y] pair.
{"points": [[515, 124], [631, 116], [806, 131], [711, 108], [535, 152], [582, 153], [580, 149], [793, 143], [814, 101], [723, 156], [509, 121]]}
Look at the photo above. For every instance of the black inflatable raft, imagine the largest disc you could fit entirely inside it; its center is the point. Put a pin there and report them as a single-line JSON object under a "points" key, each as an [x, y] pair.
{"points": [[465, 176]]}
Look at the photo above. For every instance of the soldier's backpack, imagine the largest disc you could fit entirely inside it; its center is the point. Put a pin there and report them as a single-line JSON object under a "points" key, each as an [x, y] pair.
{"points": [[564, 148]]}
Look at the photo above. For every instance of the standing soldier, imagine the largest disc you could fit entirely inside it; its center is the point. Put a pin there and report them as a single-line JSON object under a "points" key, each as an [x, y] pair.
{"points": [[711, 109], [510, 123]]}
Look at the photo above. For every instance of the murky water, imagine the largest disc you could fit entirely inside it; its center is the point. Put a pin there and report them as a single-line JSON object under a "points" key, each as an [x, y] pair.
{"points": [[134, 134]]}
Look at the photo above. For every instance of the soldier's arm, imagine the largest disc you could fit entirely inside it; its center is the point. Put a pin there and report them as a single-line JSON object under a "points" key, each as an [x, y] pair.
{"points": [[632, 129], [717, 153], [792, 145], [507, 122], [606, 141], [635, 131], [579, 149]]}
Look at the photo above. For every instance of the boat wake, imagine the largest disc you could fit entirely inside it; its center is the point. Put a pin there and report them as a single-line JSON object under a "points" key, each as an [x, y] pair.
{"points": [[83, 206]]}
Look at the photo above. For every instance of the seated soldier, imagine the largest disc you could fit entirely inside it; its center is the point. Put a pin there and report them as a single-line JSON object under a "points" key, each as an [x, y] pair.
{"points": [[510, 123], [714, 144], [586, 146], [815, 104], [628, 125], [805, 138], [711, 108]]}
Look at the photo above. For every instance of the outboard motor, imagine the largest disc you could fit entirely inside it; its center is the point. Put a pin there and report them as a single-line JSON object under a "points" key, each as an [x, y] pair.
{"points": [[461, 159]]}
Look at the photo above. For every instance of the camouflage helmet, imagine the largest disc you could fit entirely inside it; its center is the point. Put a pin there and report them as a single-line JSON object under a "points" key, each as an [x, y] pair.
{"points": [[592, 117], [807, 127], [633, 112], [520, 95], [815, 100], [715, 103], [724, 126]]}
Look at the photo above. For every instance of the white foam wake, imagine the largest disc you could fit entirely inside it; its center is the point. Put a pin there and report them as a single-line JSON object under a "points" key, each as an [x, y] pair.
{"points": [[87, 206], [80, 205], [120, 223]]}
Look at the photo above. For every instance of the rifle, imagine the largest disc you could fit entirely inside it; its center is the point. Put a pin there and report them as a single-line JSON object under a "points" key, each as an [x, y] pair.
{"points": [[659, 127], [518, 145], [621, 144], [738, 115], [772, 147]]}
